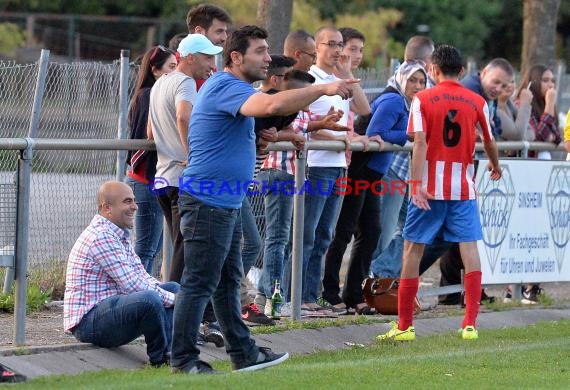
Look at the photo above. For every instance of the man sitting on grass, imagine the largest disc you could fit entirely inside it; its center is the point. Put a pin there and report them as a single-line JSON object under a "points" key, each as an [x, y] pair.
{"points": [[110, 299]]}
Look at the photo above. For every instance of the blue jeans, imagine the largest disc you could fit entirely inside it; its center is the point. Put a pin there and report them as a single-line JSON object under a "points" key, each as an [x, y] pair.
{"points": [[250, 248], [390, 205], [278, 214], [251, 238], [213, 269], [148, 224], [321, 211], [387, 258], [120, 319]]}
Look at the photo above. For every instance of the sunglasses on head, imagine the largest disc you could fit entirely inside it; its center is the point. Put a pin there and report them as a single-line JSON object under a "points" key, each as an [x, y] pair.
{"points": [[156, 50]]}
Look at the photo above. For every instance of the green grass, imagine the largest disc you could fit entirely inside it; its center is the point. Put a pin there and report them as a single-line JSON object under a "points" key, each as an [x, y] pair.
{"points": [[531, 357]]}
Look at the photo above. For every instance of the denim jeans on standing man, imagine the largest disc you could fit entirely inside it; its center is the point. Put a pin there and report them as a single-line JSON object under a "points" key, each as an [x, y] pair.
{"points": [[251, 246], [321, 211], [278, 200], [213, 269], [148, 224], [120, 319]]}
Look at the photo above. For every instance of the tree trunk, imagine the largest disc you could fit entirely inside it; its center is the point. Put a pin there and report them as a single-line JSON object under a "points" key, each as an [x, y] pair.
{"points": [[275, 16], [539, 33]]}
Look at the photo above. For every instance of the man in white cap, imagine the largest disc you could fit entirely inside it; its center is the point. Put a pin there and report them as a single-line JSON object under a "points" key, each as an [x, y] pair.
{"points": [[171, 101]]}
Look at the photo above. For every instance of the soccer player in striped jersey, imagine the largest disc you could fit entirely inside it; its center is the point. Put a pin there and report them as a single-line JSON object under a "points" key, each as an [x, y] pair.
{"points": [[444, 122]]}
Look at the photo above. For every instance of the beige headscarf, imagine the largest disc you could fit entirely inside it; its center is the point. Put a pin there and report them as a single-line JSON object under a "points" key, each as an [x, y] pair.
{"points": [[400, 78]]}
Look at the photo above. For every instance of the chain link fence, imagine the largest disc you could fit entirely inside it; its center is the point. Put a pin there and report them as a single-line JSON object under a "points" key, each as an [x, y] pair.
{"points": [[81, 101]]}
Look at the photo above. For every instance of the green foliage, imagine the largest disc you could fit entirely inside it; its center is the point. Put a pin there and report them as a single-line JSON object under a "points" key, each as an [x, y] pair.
{"points": [[11, 38], [50, 277], [375, 25], [462, 23], [35, 300]]}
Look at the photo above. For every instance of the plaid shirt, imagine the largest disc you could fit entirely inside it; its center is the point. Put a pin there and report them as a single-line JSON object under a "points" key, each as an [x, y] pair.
{"points": [[285, 160], [103, 264], [544, 127], [401, 165]]}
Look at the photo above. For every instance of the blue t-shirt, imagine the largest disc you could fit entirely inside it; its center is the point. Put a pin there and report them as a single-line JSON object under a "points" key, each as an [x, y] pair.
{"points": [[222, 143], [390, 121]]}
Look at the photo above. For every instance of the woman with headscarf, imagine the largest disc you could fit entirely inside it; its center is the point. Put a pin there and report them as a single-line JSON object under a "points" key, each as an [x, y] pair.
{"points": [[360, 212]]}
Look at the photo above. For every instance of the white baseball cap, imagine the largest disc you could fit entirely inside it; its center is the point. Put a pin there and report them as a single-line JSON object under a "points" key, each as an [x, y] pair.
{"points": [[197, 43]]}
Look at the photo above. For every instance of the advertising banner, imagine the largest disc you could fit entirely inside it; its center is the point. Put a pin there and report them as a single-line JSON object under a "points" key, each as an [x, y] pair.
{"points": [[526, 222]]}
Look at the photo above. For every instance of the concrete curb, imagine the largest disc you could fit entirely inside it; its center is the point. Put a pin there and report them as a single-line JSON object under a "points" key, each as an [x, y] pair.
{"points": [[72, 359]]}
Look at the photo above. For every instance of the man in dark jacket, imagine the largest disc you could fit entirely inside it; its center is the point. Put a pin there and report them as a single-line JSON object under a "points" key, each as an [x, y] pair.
{"points": [[489, 83]]}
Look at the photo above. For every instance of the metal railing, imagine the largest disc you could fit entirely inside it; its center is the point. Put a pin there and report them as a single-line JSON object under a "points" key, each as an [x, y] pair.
{"points": [[27, 147], [89, 102]]}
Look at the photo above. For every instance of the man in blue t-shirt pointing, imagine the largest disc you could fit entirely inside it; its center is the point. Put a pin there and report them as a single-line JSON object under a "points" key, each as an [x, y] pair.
{"points": [[221, 160]]}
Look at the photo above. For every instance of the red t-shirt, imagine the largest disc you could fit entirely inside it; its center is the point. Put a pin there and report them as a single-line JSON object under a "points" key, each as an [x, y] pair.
{"points": [[199, 83], [450, 115]]}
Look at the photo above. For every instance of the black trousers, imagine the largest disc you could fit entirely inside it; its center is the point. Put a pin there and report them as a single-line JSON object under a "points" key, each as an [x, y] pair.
{"points": [[359, 216]]}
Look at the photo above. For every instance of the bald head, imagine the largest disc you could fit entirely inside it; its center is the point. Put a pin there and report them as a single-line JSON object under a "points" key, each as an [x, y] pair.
{"points": [[419, 47], [300, 45], [116, 202], [295, 40], [108, 192]]}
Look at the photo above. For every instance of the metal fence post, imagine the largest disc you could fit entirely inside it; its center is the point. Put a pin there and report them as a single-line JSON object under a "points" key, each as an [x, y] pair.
{"points": [[471, 68], [560, 86], [298, 224], [23, 205], [394, 64], [167, 250], [524, 150], [123, 112]]}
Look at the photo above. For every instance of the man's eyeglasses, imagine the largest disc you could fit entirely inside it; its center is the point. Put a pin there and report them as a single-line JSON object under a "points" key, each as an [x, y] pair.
{"points": [[278, 75], [156, 50], [333, 44], [312, 55]]}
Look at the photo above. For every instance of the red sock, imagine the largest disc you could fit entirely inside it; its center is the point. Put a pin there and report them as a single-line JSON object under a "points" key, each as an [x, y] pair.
{"points": [[407, 292], [472, 297]]}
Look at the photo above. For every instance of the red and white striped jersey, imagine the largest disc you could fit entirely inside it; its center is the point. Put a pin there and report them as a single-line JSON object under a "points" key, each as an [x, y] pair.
{"points": [[451, 116]]}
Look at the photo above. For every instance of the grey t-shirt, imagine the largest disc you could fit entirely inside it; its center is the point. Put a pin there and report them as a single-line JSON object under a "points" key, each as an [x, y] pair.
{"points": [[169, 90]]}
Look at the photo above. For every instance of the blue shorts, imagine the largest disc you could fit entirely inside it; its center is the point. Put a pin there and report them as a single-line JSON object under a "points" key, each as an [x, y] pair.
{"points": [[458, 221]]}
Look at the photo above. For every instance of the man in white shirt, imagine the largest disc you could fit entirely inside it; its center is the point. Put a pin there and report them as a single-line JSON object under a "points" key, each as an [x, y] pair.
{"points": [[326, 167]]}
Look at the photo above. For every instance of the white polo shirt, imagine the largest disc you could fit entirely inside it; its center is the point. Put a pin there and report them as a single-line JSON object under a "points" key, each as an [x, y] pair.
{"points": [[321, 106]]}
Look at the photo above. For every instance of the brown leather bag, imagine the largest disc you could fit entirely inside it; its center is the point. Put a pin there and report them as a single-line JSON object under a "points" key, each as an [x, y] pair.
{"points": [[382, 294]]}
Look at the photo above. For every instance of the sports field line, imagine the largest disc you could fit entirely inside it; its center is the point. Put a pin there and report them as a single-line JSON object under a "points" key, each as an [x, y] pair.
{"points": [[410, 357]]}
